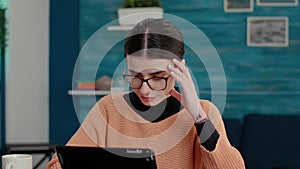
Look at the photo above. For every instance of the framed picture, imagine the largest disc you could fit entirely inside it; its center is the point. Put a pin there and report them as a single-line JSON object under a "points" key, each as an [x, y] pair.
{"points": [[238, 5], [267, 31], [276, 2]]}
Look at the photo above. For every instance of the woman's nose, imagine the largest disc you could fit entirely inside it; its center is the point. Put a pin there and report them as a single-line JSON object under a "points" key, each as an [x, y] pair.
{"points": [[145, 89]]}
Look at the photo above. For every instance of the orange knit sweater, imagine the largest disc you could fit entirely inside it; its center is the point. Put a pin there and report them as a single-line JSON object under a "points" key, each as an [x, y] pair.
{"points": [[113, 123]]}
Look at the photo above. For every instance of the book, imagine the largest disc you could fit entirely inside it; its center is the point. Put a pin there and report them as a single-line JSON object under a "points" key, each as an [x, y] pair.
{"points": [[86, 85]]}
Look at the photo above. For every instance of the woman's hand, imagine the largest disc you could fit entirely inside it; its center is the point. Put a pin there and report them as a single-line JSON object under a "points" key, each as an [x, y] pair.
{"points": [[53, 163], [189, 98]]}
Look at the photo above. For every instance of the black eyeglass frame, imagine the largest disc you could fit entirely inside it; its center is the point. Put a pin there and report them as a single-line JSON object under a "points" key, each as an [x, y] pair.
{"points": [[146, 80]]}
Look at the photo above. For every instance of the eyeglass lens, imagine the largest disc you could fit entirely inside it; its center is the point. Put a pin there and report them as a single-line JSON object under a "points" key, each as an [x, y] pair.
{"points": [[155, 83]]}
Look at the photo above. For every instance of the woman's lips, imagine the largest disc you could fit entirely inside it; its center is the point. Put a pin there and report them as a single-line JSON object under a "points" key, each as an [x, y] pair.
{"points": [[146, 98]]}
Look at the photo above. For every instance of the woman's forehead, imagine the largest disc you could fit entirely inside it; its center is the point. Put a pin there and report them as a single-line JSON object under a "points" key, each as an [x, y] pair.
{"points": [[151, 72], [147, 65]]}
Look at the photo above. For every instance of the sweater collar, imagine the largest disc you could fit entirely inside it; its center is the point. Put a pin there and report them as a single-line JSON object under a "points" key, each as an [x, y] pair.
{"points": [[161, 111]]}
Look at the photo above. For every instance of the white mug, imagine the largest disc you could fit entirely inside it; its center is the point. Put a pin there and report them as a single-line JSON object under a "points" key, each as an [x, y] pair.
{"points": [[17, 161]]}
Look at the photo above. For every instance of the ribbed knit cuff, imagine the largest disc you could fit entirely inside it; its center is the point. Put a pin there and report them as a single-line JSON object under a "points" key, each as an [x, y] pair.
{"points": [[209, 130], [224, 156]]}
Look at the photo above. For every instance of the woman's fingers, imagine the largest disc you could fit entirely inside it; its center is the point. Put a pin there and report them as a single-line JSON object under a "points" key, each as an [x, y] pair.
{"points": [[181, 74], [176, 73], [181, 66]]}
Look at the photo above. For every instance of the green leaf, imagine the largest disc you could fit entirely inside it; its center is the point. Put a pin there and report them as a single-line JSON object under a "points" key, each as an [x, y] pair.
{"points": [[140, 3]]}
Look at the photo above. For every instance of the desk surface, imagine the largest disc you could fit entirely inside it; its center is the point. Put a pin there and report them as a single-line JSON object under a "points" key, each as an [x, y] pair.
{"points": [[32, 147]]}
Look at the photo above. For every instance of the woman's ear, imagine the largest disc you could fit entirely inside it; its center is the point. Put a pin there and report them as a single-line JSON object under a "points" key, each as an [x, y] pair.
{"points": [[175, 94]]}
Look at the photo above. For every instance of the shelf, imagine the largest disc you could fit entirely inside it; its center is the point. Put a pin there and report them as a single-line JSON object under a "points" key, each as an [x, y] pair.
{"points": [[88, 92], [119, 28]]}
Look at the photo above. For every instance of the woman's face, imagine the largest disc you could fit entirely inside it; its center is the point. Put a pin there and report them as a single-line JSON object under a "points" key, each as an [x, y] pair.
{"points": [[142, 67]]}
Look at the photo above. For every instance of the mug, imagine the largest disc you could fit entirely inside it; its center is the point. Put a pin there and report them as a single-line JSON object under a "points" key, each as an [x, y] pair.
{"points": [[17, 161]]}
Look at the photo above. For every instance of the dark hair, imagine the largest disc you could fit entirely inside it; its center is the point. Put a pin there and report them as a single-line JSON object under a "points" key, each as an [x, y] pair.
{"points": [[154, 38]]}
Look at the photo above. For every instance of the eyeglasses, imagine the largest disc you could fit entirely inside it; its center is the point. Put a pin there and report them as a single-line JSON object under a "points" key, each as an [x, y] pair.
{"points": [[155, 83]]}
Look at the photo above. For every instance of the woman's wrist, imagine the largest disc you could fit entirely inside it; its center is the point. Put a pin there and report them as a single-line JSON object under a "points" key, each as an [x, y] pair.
{"points": [[200, 119], [201, 116]]}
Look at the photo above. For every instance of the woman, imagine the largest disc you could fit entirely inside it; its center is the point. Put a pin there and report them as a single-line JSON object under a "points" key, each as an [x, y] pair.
{"points": [[183, 131]]}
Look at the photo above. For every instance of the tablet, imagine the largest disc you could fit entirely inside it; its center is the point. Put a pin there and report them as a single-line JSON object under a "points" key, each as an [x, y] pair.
{"points": [[80, 157]]}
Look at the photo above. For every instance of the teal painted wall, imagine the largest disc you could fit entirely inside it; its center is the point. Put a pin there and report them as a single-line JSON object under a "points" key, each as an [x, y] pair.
{"points": [[64, 49], [259, 79]]}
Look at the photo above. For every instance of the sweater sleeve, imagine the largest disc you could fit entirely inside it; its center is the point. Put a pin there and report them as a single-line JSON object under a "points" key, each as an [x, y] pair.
{"points": [[211, 141], [224, 154]]}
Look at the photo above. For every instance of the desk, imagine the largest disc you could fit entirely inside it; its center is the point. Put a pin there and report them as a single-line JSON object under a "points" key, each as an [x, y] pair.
{"points": [[39, 148]]}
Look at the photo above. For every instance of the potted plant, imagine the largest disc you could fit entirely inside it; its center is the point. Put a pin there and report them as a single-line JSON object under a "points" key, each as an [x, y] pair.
{"points": [[2, 29], [133, 11]]}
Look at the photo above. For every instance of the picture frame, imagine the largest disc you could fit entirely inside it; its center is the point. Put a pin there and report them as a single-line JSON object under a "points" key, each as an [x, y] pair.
{"points": [[238, 5], [268, 31], [277, 2]]}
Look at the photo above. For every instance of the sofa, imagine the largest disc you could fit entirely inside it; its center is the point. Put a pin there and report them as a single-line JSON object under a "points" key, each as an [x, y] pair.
{"points": [[266, 141]]}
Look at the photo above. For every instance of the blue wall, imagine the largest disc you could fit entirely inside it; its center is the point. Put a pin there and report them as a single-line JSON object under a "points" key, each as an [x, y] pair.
{"points": [[64, 48]]}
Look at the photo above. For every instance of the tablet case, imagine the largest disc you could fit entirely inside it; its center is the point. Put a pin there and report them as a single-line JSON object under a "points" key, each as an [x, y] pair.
{"points": [[81, 157]]}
